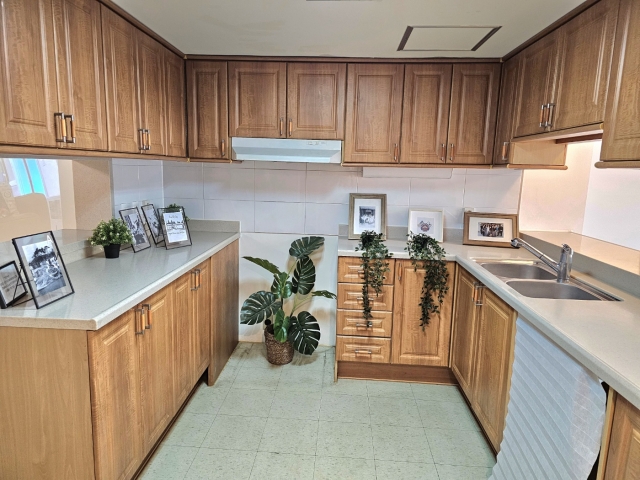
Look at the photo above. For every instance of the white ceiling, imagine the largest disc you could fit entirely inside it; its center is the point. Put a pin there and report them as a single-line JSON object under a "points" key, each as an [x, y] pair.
{"points": [[342, 28]]}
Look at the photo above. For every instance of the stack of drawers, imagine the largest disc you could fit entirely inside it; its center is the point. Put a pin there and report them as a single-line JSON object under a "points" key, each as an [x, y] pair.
{"points": [[359, 340]]}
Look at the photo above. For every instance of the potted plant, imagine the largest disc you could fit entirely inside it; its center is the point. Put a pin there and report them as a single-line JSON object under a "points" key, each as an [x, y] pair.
{"points": [[110, 235], [374, 266], [291, 329]]}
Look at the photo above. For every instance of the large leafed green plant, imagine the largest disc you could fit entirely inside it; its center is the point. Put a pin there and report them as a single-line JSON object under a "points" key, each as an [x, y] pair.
{"points": [[294, 288]]}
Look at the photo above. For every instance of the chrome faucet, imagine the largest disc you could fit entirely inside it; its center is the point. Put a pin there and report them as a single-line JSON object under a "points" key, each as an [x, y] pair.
{"points": [[562, 268]]}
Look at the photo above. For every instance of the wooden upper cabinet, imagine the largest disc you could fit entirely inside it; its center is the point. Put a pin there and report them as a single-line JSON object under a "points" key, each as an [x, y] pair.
{"points": [[151, 78], [81, 72], [207, 109], [472, 120], [315, 100], [28, 71], [374, 113], [410, 343], [506, 111], [257, 99], [585, 64], [425, 114], [621, 139], [175, 105], [623, 459]]}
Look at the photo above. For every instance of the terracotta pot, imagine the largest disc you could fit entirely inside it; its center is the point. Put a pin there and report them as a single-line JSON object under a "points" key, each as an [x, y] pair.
{"points": [[277, 353], [111, 251]]}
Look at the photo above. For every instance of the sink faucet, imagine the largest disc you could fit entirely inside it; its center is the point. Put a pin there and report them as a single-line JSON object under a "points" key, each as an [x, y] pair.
{"points": [[562, 268]]}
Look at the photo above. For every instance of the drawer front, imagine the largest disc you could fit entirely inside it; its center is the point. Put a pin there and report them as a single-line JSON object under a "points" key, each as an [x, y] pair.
{"points": [[350, 322], [350, 297], [363, 349], [350, 270]]}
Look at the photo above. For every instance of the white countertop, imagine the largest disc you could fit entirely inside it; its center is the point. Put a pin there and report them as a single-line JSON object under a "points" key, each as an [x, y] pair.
{"points": [[603, 336], [106, 288]]}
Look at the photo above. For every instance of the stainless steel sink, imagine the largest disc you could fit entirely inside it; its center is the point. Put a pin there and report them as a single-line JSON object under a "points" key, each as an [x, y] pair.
{"points": [[525, 271], [553, 290]]}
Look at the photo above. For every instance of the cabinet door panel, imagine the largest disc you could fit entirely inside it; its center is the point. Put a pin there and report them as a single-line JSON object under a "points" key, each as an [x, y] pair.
{"points": [[425, 114], [350, 322], [28, 72], [152, 91], [506, 111], [623, 461], [257, 99], [208, 109], [363, 349], [474, 104], [350, 270], [202, 320], [315, 100], [350, 297], [183, 329], [374, 113], [176, 127]]}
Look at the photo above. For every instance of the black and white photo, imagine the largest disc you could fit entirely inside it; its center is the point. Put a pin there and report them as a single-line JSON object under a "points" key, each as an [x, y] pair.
{"points": [[151, 216], [133, 221], [492, 230], [367, 216], [367, 212], [12, 287], [428, 221], [174, 228]]}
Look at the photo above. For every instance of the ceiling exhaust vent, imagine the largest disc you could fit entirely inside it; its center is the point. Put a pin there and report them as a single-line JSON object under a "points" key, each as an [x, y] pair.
{"points": [[442, 38]]}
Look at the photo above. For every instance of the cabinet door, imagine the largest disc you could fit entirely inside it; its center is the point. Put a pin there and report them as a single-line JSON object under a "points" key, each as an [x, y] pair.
{"points": [[121, 83], [621, 139], [472, 121], [410, 343], [208, 110], [28, 70], [257, 99], [183, 331], [506, 111], [152, 92], [623, 461], [464, 330], [315, 100], [492, 366], [176, 126], [425, 113], [115, 397], [81, 72], [536, 85], [585, 63], [202, 320], [374, 113], [350, 271]]}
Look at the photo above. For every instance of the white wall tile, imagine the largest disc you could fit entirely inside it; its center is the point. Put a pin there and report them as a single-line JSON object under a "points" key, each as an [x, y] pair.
{"points": [[397, 189], [136, 162], [183, 182], [238, 210], [330, 187], [438, 192], [260, 165], [279, 217], [492, 191], [193, 207], [324, 218], [454, 217], [150, 182], [280, 185], [125, 183], [229, 183], [241, 164], [331, 167], [398, 216]]}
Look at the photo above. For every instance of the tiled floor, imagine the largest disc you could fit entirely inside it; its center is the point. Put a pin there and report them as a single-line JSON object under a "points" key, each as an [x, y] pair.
{"points": [[294, 422]]}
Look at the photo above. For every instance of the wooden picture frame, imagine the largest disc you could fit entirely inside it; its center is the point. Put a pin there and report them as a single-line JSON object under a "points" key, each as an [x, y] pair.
{"points": [[490, 229], [371, 215]]}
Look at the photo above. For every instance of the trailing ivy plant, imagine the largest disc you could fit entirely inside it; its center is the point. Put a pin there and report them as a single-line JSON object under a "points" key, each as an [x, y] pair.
{"points": [[374, 266], [426, 253]]}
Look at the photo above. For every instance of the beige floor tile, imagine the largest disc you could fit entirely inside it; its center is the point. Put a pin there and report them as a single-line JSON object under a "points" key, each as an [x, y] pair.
{"points": [[257, 358], [389, 389], [239, 354], [337, 439], [451, 472], [296, 405], [301, 379], [235, 433], [389, 470], [344, 408], [257, 378], [207, 399], [211, 464], [344, 386], [459, 447], [247, 403], [335, 468], [290, 436], [190, 430], [438, 393], [316, 361], [227, 377], [394, 411], [403, 444], [446, 415], [279, 466], [169, 463]]}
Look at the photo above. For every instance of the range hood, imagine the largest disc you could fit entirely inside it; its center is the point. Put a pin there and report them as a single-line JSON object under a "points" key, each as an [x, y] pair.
{"points": [[286, 150]]}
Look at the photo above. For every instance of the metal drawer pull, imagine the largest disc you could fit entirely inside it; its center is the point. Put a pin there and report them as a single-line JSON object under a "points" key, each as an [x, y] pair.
{"points": [[365, 325], [366, 352], [505, 147], [58, 118], [452, 153], [551, 109], [71, 138], [443, 158], [542, 109], [141, 312], [195, 281], [147, 307]]}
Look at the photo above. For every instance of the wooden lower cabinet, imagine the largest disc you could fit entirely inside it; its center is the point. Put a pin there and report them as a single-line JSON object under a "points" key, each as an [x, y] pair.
{"points": [[623, 458], [363, 349], [350, 271], [350, 297], [350, 322], [202, 320], [183, 336]]}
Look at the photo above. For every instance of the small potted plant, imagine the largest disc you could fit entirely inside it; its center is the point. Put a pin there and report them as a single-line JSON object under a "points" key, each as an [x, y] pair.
{"points": [[110, 235]]}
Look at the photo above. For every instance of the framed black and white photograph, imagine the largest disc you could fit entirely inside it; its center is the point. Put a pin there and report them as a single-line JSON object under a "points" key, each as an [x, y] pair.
{"points": [[133, 221], [44, 268], [151, 216], [12, 286], [429, 221], [367, 212], [490, 229], [174, 227]]}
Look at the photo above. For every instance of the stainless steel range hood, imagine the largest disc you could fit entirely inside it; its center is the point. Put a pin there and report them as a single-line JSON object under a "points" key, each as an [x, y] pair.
{"points": [[286, 150]]}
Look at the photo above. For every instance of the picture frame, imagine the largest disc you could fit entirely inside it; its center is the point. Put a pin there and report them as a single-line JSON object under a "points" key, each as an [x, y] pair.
{"points": [[174, 227], [133, 220], [367, 212], [153, 222], [429, 221], [44, 268], [12, 285], [490, 229]]}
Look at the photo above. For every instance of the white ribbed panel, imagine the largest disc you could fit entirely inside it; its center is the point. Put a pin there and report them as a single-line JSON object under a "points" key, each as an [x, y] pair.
{"points": [[555, 417]]}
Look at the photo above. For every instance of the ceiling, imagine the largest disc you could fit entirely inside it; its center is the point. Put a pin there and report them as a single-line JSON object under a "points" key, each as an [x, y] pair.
{"points": [[346, 28]]}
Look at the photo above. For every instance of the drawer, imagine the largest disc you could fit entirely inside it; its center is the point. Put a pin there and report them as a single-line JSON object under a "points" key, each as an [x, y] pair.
{"points": [[350, 322], [350, 297], [350, 270], [363, 349]]}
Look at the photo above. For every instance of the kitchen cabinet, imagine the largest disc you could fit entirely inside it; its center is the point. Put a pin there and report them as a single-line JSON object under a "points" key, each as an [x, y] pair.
{"points": [[202, 319], [363, 349], [373, 113], [623, 458], [175, 105], [350, 297], [350, 271], [465, 319], [412, 344], [506, 114], [184, 334], [208, 110], [350, 322]]}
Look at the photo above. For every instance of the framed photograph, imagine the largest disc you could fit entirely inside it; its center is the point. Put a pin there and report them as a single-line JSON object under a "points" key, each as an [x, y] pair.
{"points": [[429, 221], [133, 220], [12, 287], [44, 268], [367, 212], [490, 229], [174, 227], [151, 216]]}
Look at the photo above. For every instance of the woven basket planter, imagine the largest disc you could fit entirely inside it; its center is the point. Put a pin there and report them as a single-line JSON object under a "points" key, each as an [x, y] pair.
{"points": [[277, 353]]}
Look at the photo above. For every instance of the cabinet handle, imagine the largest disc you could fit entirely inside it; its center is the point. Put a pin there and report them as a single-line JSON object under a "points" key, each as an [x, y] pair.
{"points": [[139, 324], [365, 325], [148, 144], [542, 109], [366, 352], [223, 149], [147, 307], [551, 107], [71, 138], [443, 158], [474, 296], [58, 118], [198, 279], [281, 126], [141, 138], [395, 152], [290, 126], [451, 152], [195, 281], [505, 150]]}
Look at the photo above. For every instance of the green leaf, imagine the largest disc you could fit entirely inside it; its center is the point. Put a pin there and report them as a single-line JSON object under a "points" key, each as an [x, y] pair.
{"points": [[324, 293], [304, 333], [258, 307], [305, 246], [281, 285], [281, 326], [304, 276], [266, 264]]}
